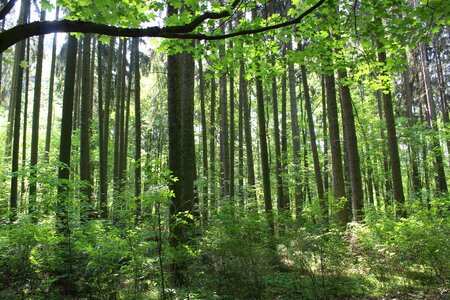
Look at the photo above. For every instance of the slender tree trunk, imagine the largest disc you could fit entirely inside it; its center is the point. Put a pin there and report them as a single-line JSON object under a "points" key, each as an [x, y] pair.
{"points": [[124, 109], [118, 108], [138, 130], [224, 138], [36, 117], [441, 181], [264, 154], [281, 202], [325, 137], [387, 177], [408, 98], [212, 145], [397, 185], [295, 130], [312, 137], [85, 156], [232, 134], [241, 193], [16, 98], [104, 135], [204, 211], [51, 88], [23, 189], [251, 181], [284, 146], [76, 109]]}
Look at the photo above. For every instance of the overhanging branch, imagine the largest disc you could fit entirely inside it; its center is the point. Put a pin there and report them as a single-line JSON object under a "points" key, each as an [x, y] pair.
{"points": [[12, 36]]}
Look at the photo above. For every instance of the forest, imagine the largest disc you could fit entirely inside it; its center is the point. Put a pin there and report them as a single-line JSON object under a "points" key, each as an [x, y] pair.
{"points": [[232, 149]]}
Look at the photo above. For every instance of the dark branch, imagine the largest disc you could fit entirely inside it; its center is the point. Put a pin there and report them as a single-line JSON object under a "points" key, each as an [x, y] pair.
{"points": [[7, 8], [21, 32]]}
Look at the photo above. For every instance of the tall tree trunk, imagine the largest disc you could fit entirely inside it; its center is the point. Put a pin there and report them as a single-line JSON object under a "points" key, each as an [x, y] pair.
{"points": [[118, 108], [62, 210], [397, 185], [188, 142], [85, 158], [36, 116], [387, 176], [325, 136], [284, 146], [342, 213], [241, 193], [178, 229], [251, 181], [232, 133], [312, 137], [16, 98], [408, 98], [76, 108], [224, 138], [51, 88], [124, 110], [23, 189], [204, 210], [138, 130], [104, 135], [264, 154], [351, 143], [212, 145], [295, 130], [441, 181], [281, 202]]}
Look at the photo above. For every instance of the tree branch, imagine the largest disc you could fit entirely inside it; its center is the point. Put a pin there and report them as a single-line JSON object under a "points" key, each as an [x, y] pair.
{"points": [[7, 8], [11, 36]]}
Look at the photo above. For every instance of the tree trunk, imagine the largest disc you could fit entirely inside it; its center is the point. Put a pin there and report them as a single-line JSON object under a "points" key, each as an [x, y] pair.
{"points": [[224, 138], [212, 145], [342, 213], [441, 181], [312, 137], [36, 117], [251, 181], [264, 154], [281, 203], [62, 210], [23, 189], [138, 130], [51, 88], [397, 185], [16, 99], [295, 130], [351, 143], [204, 210], [85, 159], [189, 174], [284, 146], [104, 135]]}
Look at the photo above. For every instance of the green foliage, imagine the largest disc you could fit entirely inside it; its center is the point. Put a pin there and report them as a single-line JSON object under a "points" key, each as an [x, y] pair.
{"points": [[235, 255]]}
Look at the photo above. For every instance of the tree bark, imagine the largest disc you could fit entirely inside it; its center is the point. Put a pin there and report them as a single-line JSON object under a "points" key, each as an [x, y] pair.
{"points": [[264, 154], [312, 137], [85, 135], [351, 143], [399, 196], [36, 117], [51, 88], [342, 213], [16, 98], [204, 210]]}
